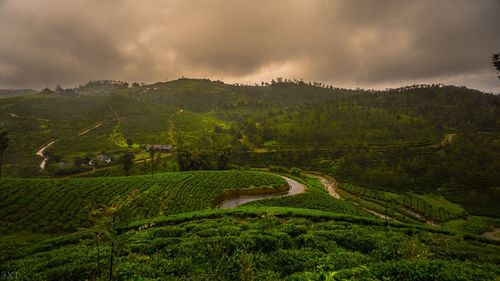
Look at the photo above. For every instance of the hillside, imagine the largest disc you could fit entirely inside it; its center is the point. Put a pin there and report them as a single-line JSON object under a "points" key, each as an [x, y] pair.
{"points": [[400, 184], [64, 204], [10, 93], [391, 140]]}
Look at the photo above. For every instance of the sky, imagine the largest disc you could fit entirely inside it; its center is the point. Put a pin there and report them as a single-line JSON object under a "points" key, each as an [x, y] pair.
{"points": [[347, 43]]}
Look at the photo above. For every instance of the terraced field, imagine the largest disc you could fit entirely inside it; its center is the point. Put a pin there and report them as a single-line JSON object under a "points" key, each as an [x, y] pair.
{"points": [[58, 205], [257, 244], [316, 197]]}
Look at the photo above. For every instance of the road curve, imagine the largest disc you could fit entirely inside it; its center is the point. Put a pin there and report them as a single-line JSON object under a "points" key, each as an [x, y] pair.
{"points": [[295, 188], [40, 153]]}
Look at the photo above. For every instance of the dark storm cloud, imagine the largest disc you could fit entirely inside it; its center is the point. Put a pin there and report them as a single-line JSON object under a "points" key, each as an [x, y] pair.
{"points": [[350, 43]]}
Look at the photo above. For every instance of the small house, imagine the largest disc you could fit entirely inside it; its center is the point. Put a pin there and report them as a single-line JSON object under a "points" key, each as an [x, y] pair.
{"points": [[159, 147], [100, 160]]}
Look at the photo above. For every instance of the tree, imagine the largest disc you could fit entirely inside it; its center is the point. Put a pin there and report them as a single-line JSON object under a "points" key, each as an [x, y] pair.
{"points": [[495, 59], [79, 161], [130, 142], [128, 161], [152, 153], [4, 142], [109, 219]]}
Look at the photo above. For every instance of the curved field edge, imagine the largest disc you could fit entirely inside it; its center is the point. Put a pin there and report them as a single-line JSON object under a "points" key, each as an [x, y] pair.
{"points": [[286, 243], [288, 212], [315, 197], [63, 205]]}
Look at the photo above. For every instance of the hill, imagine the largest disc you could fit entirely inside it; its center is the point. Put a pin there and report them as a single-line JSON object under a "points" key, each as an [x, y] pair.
{"points": [[10, 93], [390, 140], [395, 184]]}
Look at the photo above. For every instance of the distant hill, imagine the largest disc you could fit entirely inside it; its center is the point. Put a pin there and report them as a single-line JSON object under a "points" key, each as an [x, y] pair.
{"points": [[390, 139], [8, 93]]}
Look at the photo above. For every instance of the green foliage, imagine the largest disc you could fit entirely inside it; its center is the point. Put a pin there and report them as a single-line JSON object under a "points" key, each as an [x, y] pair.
{"points": [[62, 205], [316, 197], [468, 178], [4, 142], [241, 246], [431, 207], [472, 224], [127, 161]]}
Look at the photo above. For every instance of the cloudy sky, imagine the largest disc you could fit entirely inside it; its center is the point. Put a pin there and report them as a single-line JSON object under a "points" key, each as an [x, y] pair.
{"points": [[348, 43]]}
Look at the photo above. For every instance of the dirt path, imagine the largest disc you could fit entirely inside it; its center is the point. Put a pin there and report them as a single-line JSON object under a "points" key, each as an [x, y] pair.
{"points": [[295, 188], [380, 215], [330, 185], [419, 216], [40, 153], [494, 234], [447, 139], [43, 148], [84, 131]]}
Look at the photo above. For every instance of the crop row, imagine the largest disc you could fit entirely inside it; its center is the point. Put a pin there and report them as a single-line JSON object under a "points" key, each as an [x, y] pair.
{"points": [[63, 205], [407, 203], [314, 198]]}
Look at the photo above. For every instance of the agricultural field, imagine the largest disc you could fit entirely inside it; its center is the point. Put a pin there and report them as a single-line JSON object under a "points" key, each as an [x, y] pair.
{"points": [[192, 128], [256, 244], [316, 198], [249, 140], [417, 168], [63, 205], [417, 206]]}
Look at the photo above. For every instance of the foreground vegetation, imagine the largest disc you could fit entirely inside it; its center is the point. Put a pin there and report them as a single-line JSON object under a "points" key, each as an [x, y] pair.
{"points": [[258, 244]]}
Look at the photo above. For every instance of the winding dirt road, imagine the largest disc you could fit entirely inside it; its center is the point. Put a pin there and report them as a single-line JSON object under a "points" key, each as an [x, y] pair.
{"points": [[84, 131], [295, 188], [43, 148], [331, 185], [40, 153]]}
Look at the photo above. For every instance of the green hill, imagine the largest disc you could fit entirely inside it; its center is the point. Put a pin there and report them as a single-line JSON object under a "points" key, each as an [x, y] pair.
{"points": [[423, 157]]}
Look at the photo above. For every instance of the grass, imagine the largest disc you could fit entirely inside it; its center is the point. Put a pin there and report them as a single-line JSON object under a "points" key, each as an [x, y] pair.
{"points": [[426, 206], [441, 202], [472, 224], [193, 127]]}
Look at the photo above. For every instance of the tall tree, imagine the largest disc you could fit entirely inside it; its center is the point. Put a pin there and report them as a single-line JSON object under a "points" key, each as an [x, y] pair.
{"points": [[152, 153], [128, 161], [495, 59], [130, 142], [4, 142], [108, 221]]}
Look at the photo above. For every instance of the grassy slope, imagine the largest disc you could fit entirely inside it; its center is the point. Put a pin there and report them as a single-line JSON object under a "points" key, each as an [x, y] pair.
{"points": [[314, 198], [64, 204]]}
